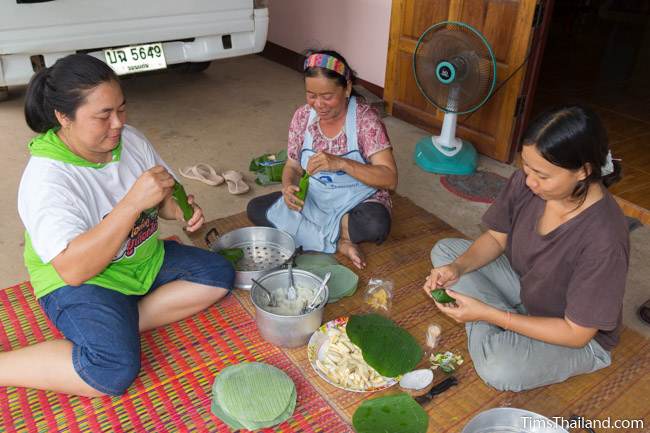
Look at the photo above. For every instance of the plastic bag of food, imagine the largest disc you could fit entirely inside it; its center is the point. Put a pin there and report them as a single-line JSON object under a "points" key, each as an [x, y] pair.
{"points": [[268, 167], [379, 295], [447, 361], [432, 337]]}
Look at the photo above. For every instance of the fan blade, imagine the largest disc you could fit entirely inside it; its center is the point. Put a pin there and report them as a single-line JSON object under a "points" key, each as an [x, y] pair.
{"points": [[469, 58]]}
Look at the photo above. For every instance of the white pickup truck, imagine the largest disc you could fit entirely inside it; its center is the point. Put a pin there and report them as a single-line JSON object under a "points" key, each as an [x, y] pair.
{"points": [[130, 35]]}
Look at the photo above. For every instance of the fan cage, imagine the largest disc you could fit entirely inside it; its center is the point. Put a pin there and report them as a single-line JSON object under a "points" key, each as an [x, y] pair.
{"points": [[487, 53]]}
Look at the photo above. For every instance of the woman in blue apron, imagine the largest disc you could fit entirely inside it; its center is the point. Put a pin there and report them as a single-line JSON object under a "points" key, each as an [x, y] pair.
{"points": [[342, 143]]}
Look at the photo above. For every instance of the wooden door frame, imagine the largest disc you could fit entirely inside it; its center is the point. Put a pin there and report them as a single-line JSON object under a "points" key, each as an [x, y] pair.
{"points": [[529, 86], [397, 9]]}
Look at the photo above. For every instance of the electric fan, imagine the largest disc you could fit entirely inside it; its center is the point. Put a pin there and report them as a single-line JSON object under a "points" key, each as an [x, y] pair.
{"points": [[455, 70]]}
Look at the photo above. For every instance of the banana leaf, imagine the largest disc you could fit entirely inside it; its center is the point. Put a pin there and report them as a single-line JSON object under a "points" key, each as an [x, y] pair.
{"points": [[253, 395], [235, 424], [315, 259], [233, 255], [391, 414], [386, 347], [343, 281]]}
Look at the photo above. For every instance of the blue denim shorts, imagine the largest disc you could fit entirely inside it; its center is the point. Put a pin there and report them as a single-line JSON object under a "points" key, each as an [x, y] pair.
{"points": [[102, 324]]}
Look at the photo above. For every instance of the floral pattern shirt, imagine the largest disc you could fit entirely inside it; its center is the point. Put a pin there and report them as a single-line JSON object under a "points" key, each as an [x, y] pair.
{"points": [[371, 138]]}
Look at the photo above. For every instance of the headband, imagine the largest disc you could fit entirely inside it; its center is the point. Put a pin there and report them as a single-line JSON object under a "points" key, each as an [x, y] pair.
{"points": [[327, 62]]}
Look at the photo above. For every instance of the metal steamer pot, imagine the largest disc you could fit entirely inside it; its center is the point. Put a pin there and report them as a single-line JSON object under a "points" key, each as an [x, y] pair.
{"points": [[513, 420], [287, 331], [265, 249]]}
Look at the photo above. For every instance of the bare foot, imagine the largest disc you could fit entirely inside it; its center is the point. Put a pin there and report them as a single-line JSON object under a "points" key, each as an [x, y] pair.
{"points": [[352, 251]]}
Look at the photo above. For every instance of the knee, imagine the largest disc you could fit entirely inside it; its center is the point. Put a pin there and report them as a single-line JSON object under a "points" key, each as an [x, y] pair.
{"points": [[125, 376], [377, 230], [501, 371], [369, 223], [221, 272], [110, 373], [447, 250], [253, 211], [257, 207]]}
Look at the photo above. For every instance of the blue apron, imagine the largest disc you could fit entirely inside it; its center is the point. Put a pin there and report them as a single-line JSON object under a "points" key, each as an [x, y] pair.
{"points": [[330, 196]]}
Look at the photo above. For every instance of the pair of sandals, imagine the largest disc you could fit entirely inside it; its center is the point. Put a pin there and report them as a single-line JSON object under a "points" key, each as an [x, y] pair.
{"points": [[207, 174]]}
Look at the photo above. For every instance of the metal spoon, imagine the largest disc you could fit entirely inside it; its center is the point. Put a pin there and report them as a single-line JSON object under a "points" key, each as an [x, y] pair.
{"points": [[272, 302], [312, 305], [291, 291]]}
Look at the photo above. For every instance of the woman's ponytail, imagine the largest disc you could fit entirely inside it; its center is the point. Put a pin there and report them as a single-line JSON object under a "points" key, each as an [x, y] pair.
{"points": [[63, 87], [39, 112]]}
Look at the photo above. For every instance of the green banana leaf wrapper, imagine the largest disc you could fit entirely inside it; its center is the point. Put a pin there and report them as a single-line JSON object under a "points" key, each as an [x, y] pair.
{"points": [[180, 196], [233, 255], [304, 186]]}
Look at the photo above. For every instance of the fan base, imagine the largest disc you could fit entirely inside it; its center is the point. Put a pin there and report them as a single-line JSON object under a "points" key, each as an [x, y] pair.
{"points": [[428, 158]]}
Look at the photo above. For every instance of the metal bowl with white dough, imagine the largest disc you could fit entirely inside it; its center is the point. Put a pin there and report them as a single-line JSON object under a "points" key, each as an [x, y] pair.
{"points": [[286, 326], [511, 420]]}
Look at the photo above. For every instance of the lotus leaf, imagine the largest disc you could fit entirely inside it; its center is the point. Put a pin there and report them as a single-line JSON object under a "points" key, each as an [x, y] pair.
{"points": [[391, 414], [386, 347]]}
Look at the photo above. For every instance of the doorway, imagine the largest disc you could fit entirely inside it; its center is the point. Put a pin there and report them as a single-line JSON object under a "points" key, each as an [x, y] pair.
{"points": [[598, 54]]}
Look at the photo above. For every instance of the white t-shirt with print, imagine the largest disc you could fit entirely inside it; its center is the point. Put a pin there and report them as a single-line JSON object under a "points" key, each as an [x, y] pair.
{"points": [[58, 201]]}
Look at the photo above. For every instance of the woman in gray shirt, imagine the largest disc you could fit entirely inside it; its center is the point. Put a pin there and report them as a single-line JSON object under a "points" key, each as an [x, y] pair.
{"points": [[541, 291]]}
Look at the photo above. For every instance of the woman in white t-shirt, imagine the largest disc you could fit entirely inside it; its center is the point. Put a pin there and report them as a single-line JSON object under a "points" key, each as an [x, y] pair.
{"points": [[90, 198]]}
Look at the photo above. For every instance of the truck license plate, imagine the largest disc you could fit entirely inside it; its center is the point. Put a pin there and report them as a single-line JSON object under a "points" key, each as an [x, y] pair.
{"points": [[137, 58]]}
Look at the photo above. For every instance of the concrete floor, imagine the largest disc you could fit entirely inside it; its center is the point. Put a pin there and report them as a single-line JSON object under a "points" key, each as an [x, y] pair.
{"points": [[237, 109]]}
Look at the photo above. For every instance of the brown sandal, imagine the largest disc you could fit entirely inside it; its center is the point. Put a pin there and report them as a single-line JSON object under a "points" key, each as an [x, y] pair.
{"points": [[644, 312]]}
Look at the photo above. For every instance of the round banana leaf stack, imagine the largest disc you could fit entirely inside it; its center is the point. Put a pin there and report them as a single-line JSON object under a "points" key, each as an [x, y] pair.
{"points": [[343, 281], [252, 396]]}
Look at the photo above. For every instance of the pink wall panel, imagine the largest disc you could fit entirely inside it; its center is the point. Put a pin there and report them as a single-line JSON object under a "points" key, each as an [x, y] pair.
{"points": [[358, 29]]}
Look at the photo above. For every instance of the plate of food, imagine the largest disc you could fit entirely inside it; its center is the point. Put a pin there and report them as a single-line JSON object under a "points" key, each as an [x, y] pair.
{"points": [[340, 363]]}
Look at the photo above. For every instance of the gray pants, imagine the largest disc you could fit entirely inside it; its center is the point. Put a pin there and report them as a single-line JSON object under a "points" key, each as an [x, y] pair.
{"points": [[504, 359]]}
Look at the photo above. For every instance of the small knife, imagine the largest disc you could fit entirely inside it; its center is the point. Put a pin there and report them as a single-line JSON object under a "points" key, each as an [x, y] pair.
{"points": [[438, 389]]}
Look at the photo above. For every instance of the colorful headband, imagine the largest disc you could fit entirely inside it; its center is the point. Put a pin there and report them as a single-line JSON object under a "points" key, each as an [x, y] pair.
{"points": [[327, 62]]}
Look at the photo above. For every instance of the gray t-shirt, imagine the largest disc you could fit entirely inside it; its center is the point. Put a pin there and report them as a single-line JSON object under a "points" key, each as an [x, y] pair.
{"points": [[576, 271]]}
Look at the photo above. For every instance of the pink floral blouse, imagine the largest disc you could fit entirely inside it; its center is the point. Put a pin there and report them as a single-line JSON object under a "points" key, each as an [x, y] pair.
{"points": [[371, 137]]}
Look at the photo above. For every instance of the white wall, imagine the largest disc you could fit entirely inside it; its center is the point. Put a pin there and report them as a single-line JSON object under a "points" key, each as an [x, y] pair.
{"points": [[358, 29]]}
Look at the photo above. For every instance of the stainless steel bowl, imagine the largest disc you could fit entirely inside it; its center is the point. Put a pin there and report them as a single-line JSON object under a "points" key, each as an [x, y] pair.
{"points": [[287, 331], [511, 420], [265, 249]]}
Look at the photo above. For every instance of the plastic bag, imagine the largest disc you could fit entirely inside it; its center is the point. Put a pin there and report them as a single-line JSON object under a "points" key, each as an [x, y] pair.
{"points": [[379, 295], [432, 338], [447, 361]]}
